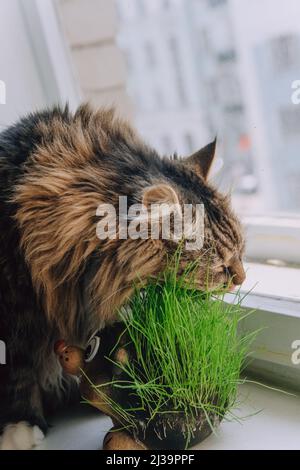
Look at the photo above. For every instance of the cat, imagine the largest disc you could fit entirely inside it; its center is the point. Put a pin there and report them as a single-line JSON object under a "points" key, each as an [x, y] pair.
{"points": [[57, 279]]}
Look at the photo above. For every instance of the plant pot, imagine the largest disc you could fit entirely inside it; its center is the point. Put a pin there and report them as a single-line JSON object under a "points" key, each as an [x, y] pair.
{"points": [[168, 431], [165, 429]]}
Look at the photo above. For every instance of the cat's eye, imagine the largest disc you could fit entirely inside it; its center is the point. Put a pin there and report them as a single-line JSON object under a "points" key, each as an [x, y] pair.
{"points": [[223, 270], [226, 270], [92, 349]]}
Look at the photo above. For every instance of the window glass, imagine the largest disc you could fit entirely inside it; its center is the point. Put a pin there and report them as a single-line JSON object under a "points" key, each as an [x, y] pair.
{"points": [[220, 68]]}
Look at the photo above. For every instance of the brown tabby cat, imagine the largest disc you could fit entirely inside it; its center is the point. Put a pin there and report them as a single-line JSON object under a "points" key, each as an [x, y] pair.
{"points": [[57, 279]]}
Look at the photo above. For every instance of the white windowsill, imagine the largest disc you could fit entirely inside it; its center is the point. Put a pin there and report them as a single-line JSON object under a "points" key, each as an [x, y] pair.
{"points": [[276, 426], [272, 288], [274, 236], [273, 281]]}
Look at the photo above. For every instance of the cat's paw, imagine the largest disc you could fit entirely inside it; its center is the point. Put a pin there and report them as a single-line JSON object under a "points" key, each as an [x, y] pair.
{"points": [[20, 436]]}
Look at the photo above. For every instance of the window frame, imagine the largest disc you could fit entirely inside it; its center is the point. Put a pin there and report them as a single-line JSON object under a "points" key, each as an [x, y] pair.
{"points": [[52, 53]]}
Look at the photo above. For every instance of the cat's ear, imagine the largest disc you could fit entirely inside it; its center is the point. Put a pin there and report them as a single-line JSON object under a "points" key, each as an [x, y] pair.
{"points": [[202, 160], [159, 194]]}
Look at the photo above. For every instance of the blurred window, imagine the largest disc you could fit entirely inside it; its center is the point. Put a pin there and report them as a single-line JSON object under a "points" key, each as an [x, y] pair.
{"points": [[290, 121], [285, 52], [216, 3], [189, 143], [150, 54], [167, 144], [141, 7], [178, 70], [226, 56]]}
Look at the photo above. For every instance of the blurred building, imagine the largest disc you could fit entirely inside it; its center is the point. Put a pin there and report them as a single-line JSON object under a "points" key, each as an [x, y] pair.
{"points": [[251, 63], [162, 73], [201, 67], [183, 79], [192, 68], [269, 62], [222, 95]]}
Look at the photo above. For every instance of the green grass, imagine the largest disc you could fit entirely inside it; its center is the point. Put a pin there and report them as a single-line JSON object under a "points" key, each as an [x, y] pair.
{"points": [[189, 354]]}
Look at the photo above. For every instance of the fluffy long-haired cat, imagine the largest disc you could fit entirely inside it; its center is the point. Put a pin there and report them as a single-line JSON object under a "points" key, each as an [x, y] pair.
{"points": [[57, 279]]}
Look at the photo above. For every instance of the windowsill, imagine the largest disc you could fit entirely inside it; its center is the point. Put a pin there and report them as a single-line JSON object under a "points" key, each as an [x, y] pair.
{"points": [[270, 421], [274, 236], [272, 289], [273, 281]]}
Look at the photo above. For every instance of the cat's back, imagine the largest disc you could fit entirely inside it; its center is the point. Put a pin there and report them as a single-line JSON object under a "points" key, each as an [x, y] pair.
{"points": [[87, 133], [18, 142]]}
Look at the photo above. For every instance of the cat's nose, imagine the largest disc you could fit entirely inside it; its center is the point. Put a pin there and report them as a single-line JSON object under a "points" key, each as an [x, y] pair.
{"points": [[237, 272]]}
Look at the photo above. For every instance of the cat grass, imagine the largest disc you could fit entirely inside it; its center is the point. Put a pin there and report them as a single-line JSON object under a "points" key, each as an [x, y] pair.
{"points": [[188, 351]]}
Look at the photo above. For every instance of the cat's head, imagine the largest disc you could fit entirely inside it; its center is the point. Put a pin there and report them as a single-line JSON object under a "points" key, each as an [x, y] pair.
{"points": [[175, 183], [218, 243], [178, 182]]}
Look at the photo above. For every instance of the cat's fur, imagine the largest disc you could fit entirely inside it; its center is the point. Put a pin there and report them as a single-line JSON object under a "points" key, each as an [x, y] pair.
{"points": [[57, 279]]}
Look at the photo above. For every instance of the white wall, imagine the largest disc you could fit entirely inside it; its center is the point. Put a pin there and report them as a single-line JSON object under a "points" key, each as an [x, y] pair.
{"points": [[18, 67], [90, 29]]}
